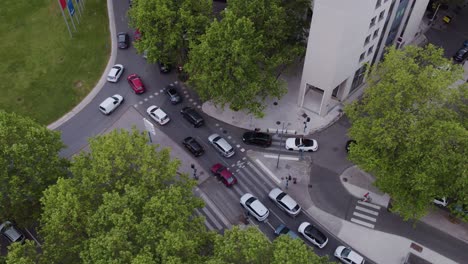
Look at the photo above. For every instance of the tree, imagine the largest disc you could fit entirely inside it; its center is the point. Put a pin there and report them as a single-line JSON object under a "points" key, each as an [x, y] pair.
{"points": [[238, 61], [167, 27], [291, 251], [408, 131], [22, 253], [124, 204], [29, 162]]}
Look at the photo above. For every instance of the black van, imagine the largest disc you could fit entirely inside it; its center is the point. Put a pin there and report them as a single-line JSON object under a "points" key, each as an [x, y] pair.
{"points": [[192, 116]]}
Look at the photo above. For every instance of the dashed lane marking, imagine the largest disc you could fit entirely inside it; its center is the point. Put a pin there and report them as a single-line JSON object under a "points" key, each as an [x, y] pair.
{"points": [[281, 157]]}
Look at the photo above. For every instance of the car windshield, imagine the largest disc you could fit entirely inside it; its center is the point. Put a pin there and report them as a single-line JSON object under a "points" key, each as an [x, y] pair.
{"points": [[280, 196], [313, 232], [230, 180], [250, 200], [285, 230], [216, 139], [345, 252], [172, 91], [121, 38]]}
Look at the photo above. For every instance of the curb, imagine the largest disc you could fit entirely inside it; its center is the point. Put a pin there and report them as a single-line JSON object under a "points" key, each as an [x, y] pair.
{"points": [[102, 80]]}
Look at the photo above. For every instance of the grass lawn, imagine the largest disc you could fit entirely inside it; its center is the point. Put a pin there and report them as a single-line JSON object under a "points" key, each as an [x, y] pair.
{"points": [[45, 73]]}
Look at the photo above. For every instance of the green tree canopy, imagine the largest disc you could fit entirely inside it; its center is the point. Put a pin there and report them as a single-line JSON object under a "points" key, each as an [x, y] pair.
{"points": [[124, 204], [237, 62], [409, 131], [167, 27], [29, 163], [22, 253]]}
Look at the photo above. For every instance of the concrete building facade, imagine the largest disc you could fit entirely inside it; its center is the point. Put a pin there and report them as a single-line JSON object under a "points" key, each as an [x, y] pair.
{"points": [[347, 36]]}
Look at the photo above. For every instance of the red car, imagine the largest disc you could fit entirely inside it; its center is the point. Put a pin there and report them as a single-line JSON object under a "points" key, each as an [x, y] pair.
{"points": [[223, 174], [135, 82]]}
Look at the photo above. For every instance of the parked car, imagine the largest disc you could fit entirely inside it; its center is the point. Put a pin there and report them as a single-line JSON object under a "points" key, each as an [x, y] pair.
{"points": [[115, 73], [11, 232], [441, 201], [461, 55], [348, 256], [193, 146], [192, 116], [110, 104], [283, 230], [158, 115], [221, 145], [284, 201], [257, 138], [303, 144], [349, 143], [164, 67], [135, 83], [312, 234], [122, 40], [254, 207], [174, 96], [223, 174]]}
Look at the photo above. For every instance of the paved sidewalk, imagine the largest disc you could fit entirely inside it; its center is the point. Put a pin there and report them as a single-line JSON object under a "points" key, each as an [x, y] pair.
{"points": [[380, 247]]}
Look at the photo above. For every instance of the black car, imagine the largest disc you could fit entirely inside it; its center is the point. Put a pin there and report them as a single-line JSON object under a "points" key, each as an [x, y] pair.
{"points": [[164, 67], [348, 144], [192, 116], [174, 96], [257, 138], [461, 55], [123, 40], [193, 146]]}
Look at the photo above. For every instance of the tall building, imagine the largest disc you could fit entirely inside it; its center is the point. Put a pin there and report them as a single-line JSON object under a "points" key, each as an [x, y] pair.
{"points": [[344, 37]]}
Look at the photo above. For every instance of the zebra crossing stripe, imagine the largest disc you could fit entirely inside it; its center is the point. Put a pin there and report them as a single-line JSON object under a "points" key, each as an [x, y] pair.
{"points": [[212, 205], [369, 205], [365, 216], [207, 224], [212, 218], [357, 221], [367, 210]]}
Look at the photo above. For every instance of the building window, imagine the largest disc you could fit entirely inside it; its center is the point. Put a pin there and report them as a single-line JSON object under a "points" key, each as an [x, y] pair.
{"points": [[367, 40], [381, 15], [358, 77], [372, 22], [361, 58], [370, 50], [376, 34], [379, 3]]}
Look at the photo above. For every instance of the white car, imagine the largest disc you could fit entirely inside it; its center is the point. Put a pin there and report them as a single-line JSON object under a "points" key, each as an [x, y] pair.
{"points": [[115, 73], [254, 207], [110, 104], [303, 144], [312, 234], [284, 201], [221, 145], [441, 201], [158, 115], [348, 256]]}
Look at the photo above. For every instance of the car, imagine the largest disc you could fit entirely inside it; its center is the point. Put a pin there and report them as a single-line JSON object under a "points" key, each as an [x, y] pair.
{"points": [[174, 96], [192, 116], [313, 234], [465, 43], [461, 55], [221, 145], [348, 256], [12, 233], [440, 201], [348, 144], [257, 138], [284, 201], [283, 230], [302, 144], [193, 146], [122, 40], [164, 67], [136, 84], [110, 104], [158, 115], [254, 207], [115, 73], [224, 174]]}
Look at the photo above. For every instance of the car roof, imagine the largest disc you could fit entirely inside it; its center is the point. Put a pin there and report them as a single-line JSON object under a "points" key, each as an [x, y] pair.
{"points": [[226, 174], [289, 202], [355, 257], [314, 232]]}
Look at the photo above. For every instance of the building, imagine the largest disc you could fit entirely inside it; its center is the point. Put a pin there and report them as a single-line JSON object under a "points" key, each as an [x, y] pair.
{"points": [[345, 37]]}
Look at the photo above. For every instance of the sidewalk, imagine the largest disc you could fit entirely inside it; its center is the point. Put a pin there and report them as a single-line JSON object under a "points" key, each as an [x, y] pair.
{"points": [[380, 247]]}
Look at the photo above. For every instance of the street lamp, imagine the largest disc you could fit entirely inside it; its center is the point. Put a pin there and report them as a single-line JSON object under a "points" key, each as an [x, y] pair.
{"points": [[194, 171], [281, 140], [305, 123]]}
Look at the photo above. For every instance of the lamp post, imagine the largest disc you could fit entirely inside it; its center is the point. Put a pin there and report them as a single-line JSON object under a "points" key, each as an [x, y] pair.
{"points": [[305, 123], [194, 171], [281, 140]]}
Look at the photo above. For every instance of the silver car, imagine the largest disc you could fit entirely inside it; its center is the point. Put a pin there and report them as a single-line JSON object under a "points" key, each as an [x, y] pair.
{"points": [[221, 145], [284, 201], [9, 231]]}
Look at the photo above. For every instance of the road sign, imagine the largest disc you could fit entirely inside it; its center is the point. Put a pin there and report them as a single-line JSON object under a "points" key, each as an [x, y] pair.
{"points": [[149, 126]]}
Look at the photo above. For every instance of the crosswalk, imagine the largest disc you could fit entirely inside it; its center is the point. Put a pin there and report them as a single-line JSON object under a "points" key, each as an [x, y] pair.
{"points": [[365, 214], [251, 178]]}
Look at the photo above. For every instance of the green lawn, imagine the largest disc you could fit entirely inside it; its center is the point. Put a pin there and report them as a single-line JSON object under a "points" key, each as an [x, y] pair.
{"points": [[45, 73]]}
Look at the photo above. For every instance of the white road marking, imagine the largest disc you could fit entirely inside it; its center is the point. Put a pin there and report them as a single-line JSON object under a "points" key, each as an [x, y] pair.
{"points": [[268, 171], [237, 146], [190, 100], [216, 124], [281, 157], [146, 99], [199, 106], [141, 102], [135, 105], [156, 93], [362, 223], [207, 224], [229, 137], [194, 103], [369, 204], [365, 216], [213, 206], [151, 96], [367, 210], [212, 218], [242, 149], [268, 223]]}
